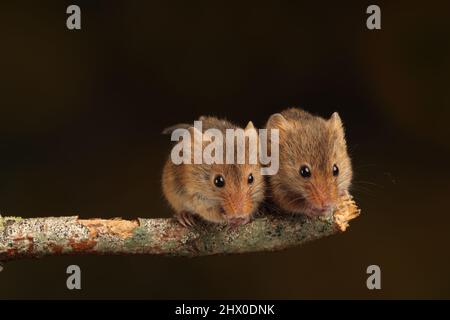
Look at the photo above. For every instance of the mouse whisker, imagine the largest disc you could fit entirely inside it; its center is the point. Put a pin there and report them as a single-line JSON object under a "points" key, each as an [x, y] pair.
{"points": [[296, 199], [368, 183], [366, 165]]}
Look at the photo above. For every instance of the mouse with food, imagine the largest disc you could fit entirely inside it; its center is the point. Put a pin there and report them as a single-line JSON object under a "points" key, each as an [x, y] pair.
{"points": [[315, 168]]}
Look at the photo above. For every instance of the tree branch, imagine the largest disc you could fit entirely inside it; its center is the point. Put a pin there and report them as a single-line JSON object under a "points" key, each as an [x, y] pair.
{"points": [[39, 237]]}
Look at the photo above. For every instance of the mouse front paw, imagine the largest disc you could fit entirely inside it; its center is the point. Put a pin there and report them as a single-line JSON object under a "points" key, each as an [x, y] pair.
{"points": [[186, 219]]}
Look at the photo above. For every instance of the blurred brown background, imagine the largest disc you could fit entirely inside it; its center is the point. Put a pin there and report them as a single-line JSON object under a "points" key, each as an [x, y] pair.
{"points": [[81, 114]]}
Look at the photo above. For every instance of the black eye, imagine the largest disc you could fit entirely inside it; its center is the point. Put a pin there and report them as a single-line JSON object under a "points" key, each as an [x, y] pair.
{"points": [[219, 181], [250, 179], [305, 172], [335, 170]]}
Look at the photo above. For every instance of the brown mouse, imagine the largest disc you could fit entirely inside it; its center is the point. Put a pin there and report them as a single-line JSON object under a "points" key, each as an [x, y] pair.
{"points": [[218, 193], [315, 168]]}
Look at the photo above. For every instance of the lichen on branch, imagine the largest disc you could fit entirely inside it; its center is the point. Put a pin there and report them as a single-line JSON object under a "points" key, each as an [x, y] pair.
{"points": [[39, 237]]}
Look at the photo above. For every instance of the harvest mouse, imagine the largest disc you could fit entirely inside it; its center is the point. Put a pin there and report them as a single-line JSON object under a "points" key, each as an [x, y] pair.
{"points": [[315, 169], [218, 193]]}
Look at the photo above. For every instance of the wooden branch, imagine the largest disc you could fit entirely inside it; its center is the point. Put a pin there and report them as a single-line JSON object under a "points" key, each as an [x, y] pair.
{"points": [[39, 237]]}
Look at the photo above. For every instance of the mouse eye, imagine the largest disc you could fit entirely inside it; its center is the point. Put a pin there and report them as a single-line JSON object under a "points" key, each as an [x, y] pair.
{"points": [[305, 172], [335, 170], [219, 181], [250, 179]]}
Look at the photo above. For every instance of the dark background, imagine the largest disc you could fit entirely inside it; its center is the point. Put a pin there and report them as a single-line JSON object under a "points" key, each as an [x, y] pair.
{"points": [[81, 114]]}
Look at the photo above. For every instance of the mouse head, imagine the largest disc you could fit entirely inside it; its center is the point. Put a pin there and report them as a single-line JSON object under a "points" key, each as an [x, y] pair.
{"points": [[315, 169], [232, 192]]}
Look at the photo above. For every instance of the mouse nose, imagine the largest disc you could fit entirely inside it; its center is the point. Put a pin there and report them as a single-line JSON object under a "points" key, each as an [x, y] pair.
{"points": [[322, 199], [323, 204], [237, 205], [326, 205], [239, 220]]}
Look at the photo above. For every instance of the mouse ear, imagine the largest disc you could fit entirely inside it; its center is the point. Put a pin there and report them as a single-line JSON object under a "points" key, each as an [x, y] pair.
{"points": [[197, 134], [249, 126], [335, 123], [277, 121], [250, 130]]}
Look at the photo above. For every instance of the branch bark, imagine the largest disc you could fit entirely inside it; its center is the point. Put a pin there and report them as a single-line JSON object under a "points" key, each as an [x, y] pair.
{"points": [[39, 237]]}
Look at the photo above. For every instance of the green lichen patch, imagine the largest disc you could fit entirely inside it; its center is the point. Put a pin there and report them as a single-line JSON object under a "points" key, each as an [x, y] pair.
{"points": [[139, 238], [6, 220]]}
